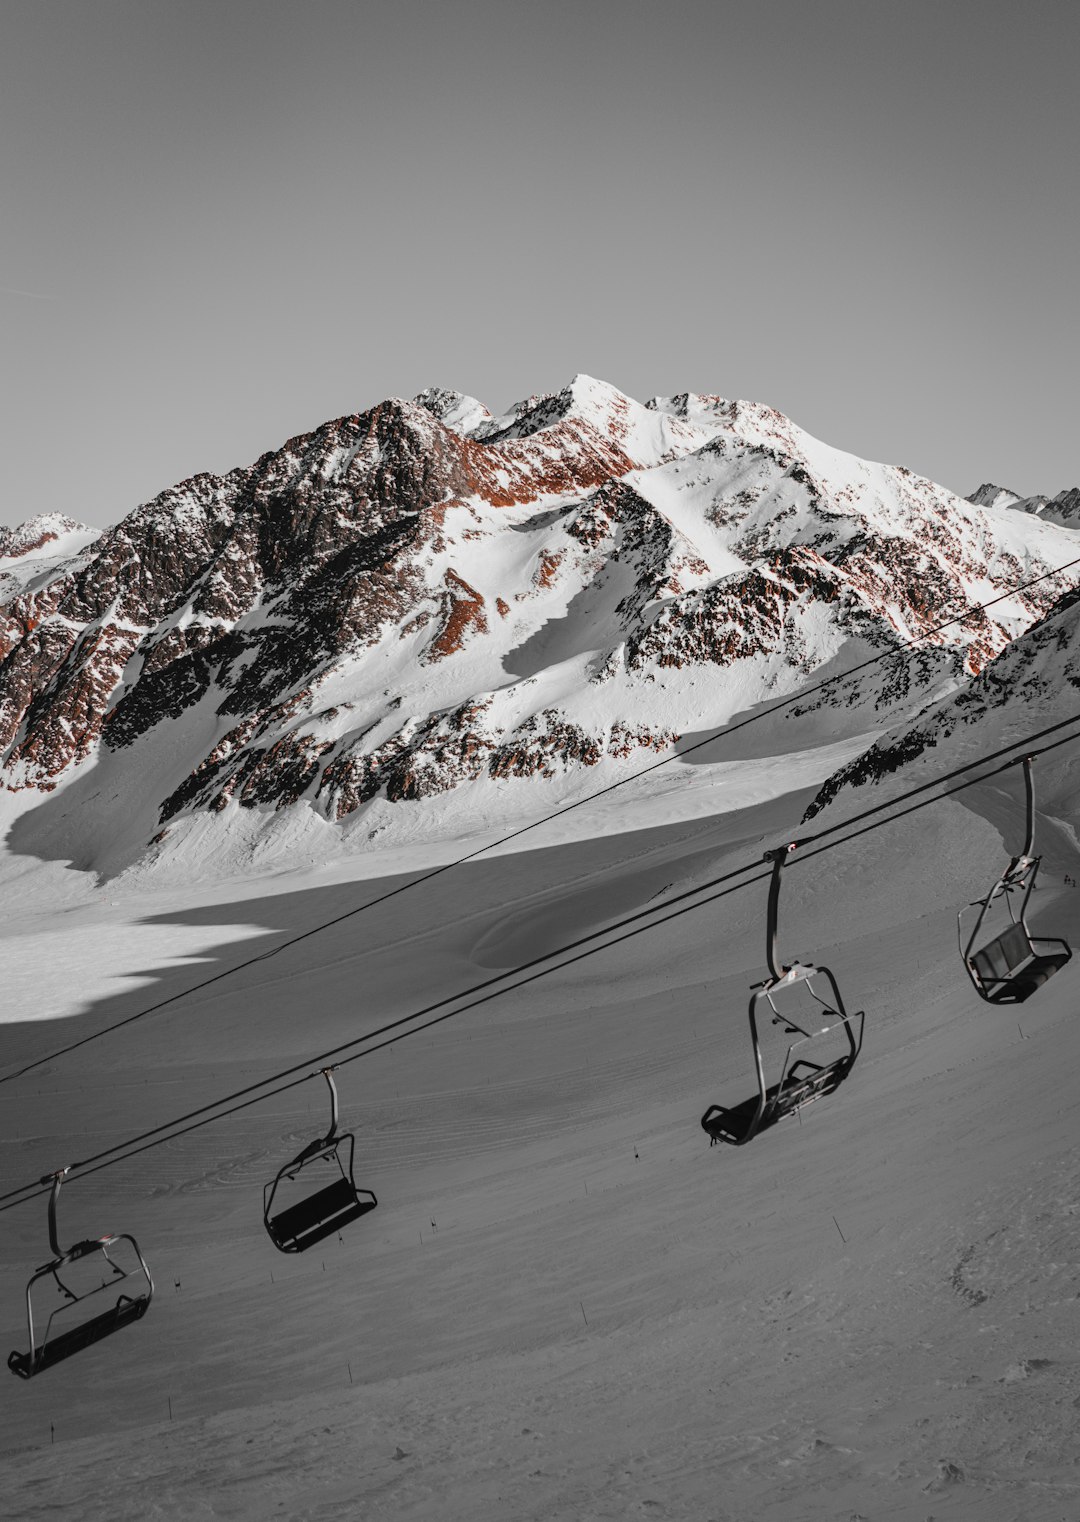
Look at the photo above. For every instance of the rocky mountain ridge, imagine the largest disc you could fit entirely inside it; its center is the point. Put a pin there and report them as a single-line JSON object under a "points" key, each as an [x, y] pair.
{"points": [[423, 596]]}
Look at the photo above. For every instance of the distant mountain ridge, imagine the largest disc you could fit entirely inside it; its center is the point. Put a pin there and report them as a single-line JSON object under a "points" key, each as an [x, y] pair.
{"points": [[26, 540], [1063, 509], [424, 597]]}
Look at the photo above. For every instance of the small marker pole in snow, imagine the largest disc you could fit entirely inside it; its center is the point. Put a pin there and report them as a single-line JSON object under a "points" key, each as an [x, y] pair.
{"points": [[836, 1223], [349, 1367], [169, 1399], [583, 1315], [52, 1433], [1019, 1027]]}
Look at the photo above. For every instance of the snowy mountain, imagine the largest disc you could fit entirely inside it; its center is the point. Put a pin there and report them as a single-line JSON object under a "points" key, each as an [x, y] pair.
{"points": [[989, 495], [1063, 509], [426, 602]]}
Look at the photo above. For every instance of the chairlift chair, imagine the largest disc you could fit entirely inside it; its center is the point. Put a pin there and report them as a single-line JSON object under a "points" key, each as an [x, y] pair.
{"points": [[59, 1340], [801, 1079], [333, 1204], [1008, 968]]}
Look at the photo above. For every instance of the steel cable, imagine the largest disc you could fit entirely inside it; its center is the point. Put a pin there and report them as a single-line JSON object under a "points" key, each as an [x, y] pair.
{"points": [[391, 1032]]}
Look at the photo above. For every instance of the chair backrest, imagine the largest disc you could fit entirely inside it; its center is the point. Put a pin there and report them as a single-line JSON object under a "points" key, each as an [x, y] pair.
{"points": [[1003, 957]]}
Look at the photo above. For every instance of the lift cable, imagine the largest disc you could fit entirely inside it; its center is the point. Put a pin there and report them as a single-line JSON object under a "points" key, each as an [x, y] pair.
{"points": [[392, 1032], [899, 649]]}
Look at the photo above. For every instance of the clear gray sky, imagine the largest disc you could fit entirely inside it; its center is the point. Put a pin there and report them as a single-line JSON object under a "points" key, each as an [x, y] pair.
{"points": [[225, 221]]}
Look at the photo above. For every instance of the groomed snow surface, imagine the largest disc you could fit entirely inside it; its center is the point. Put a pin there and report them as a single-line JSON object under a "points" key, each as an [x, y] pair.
{"points": [[567, 1305]]}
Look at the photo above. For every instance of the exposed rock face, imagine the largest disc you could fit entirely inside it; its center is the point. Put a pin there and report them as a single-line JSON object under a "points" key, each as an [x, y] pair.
{"points": [[423, 595]]}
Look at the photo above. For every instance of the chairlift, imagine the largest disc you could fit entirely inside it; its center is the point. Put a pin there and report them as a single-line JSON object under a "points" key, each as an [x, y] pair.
{"points": [[297, 1226], [801, 1079], [100, 1258], [1007, 968]]}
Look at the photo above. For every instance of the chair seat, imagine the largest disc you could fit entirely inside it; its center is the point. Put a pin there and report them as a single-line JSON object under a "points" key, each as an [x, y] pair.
{"points": [[739, 1123], [76, 1338], [1023, 983], [309, 1221]]}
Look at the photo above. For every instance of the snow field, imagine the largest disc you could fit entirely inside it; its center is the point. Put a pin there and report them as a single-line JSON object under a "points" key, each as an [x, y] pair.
{"points": [[869, 1311]]}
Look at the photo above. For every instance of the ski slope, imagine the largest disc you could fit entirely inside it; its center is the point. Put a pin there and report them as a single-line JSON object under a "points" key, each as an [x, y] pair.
{"points": [[566, 1304]]}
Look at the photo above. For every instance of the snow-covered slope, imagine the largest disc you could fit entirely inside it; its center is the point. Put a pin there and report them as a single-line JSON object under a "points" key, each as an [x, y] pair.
{"points": [[1031, 686], [424, 618]]}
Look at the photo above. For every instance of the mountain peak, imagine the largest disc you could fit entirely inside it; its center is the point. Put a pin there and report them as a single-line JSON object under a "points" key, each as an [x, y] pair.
{"points": [[989, 495], [47, 528], [453, 408], [585, 398], [422, 602]]}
